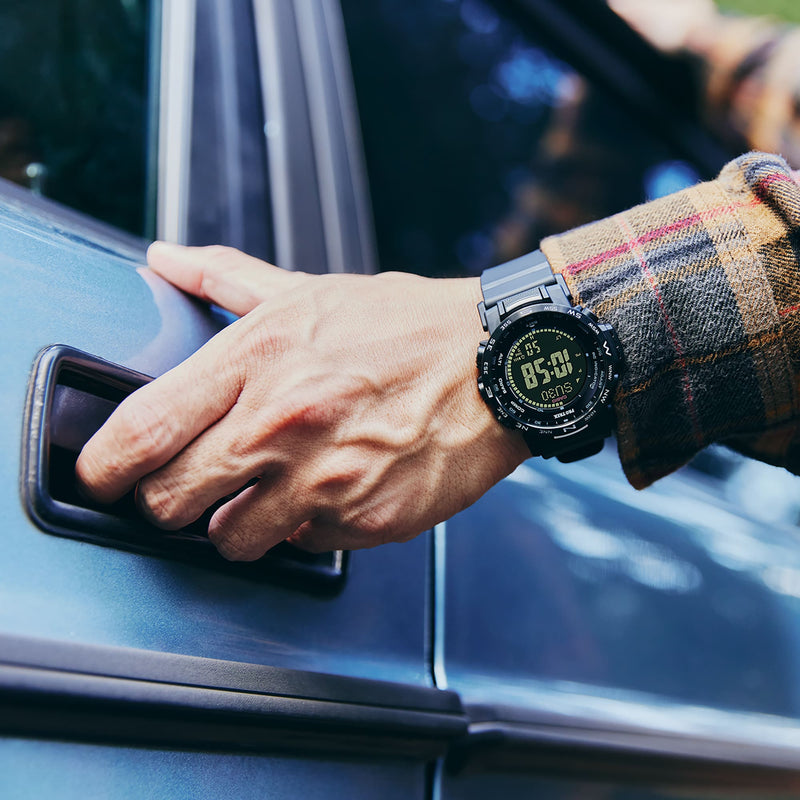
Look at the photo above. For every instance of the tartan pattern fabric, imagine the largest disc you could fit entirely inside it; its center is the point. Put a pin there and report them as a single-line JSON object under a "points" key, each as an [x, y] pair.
{"points": [[702, 287]]}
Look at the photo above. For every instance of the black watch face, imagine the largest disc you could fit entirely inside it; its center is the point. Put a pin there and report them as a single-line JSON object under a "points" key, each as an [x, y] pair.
{"points": [[548, 367]]}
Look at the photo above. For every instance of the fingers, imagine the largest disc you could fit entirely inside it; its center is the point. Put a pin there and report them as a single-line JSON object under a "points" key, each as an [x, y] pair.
{"points": [[159, 420], [316, 536], [219, 462], [220, 275], [256, 520]]}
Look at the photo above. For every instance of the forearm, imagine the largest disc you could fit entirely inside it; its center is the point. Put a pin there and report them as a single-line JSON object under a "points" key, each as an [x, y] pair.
{"points": [[702, 288]]}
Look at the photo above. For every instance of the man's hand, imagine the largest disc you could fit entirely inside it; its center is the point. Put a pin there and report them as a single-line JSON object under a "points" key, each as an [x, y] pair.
{"points": [[350, 400]]}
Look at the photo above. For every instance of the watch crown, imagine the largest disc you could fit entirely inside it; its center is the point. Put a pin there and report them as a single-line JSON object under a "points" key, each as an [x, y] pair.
{"points": [[485, 392]]}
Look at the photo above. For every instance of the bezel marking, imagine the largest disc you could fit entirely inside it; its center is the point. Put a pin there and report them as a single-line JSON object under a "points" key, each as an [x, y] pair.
{"points": [[600, 379]]}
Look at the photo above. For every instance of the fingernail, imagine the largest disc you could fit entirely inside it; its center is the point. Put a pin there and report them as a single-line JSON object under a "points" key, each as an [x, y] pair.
{"points": [[167, 249]]}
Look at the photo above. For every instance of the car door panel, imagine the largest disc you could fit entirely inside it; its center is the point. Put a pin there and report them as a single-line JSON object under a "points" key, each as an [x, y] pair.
{"points": [[154, 653], [103, 303], [74, 771], [618, 623], [99, 643], [588, 629]]}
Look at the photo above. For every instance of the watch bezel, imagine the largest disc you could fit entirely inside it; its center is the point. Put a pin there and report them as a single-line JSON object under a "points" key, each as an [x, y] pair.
{"points": [[511, 408]]}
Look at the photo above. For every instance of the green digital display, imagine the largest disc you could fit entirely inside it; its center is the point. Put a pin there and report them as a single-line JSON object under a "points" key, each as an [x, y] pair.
{"points": [[546, 368]]}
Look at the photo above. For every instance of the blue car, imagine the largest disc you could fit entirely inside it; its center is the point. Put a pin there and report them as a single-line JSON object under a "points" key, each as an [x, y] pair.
{"points": [[566, 636]]}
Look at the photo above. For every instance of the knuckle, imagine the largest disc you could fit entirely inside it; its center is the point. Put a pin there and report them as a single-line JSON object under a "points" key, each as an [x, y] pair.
{"points": [[162, 502], [232, 544], [219, 260], [133, 438], [142, 431], [311, 414], [297, 417], [267, 342], [340, 481], [241, 449], [376, 525], [92, 473]]}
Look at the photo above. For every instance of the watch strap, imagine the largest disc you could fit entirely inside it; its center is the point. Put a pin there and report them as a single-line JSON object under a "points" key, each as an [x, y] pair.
{"points": [[525, 280], [572, 448]]}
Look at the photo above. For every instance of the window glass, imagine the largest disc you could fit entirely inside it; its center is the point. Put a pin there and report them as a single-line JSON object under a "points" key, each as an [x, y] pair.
{"points": [[73, 103], [479, 141]]}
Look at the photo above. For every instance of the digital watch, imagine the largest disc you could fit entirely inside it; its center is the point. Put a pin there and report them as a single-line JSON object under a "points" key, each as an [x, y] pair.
{"points": [[549, 368]]}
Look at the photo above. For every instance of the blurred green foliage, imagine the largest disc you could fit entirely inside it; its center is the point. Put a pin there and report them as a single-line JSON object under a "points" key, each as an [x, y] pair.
{"points": [[788, 10]]}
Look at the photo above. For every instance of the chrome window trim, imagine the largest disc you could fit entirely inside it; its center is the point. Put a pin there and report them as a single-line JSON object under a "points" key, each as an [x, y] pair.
{"points": [[320, 201], [269, 47], [223, 16], [345, 88], [310, 35], [321, 33], [175, 118], [439, 664]]}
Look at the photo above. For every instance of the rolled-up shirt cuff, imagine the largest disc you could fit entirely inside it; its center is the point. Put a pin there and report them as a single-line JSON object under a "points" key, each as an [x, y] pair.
{"points": [[702, 287]]}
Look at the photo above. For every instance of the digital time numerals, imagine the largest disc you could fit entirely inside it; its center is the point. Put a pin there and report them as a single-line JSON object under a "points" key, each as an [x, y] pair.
{"points": [[535, 371], [546, 368]]}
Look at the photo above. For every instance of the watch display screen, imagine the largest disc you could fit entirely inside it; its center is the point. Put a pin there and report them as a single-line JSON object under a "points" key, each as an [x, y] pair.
{"points": [[546, 368]]}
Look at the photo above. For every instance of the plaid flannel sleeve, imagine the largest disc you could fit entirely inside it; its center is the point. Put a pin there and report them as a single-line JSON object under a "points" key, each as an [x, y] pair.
{"points": [[703, 289]]}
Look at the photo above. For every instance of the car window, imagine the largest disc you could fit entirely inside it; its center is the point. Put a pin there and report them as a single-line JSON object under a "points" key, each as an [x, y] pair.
{"points": [[479, 141], [73, 103]]}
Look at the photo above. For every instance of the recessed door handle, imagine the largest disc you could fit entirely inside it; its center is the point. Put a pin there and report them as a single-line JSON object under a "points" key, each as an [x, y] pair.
{"points": [[71, 394]]}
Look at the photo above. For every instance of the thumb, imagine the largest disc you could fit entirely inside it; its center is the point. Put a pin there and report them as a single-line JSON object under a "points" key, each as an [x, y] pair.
{"points": [[220, 275]]}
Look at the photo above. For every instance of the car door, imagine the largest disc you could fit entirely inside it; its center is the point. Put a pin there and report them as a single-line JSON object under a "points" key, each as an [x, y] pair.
{"points": [[133, 663], [604, 642]]}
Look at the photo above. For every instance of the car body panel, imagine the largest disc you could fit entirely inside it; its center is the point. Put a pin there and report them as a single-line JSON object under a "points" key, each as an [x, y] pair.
{"points": [[601, 582], [103, 302], [76, 771]]}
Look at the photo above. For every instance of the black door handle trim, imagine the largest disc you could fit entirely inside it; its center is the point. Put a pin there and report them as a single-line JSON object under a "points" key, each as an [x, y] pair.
{"points": [[84, 390]]}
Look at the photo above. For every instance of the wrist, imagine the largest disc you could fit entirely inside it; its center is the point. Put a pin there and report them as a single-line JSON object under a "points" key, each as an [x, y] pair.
{"points": [[507, 446]]}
